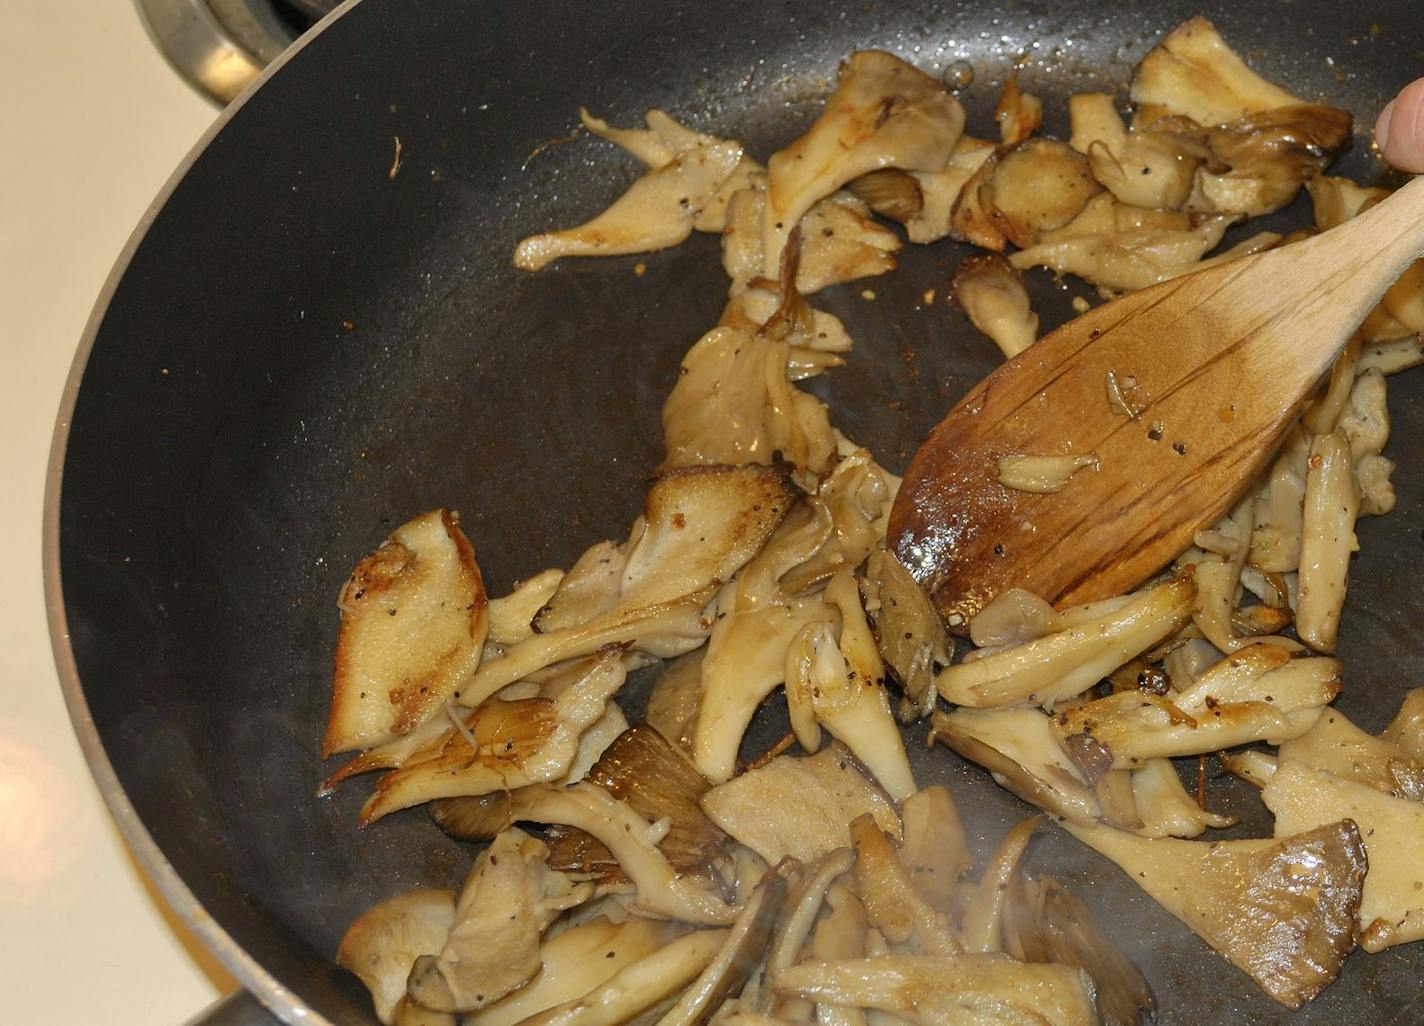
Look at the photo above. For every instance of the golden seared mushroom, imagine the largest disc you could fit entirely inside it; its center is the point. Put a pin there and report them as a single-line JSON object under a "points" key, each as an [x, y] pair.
{"points": [[993, 297], [892, 905], [413, 621], [1038, 186], [1304, 798], [699, 525], [503, 909], [1046, 922], [1042, 475], [1281, 911], [992, 990], [1336, 746], [935, 851], [657, 211], [1256, 694], [969, 217], [734, 403], [1023, 754], [1194, 73], [940, 190], [511, 616], [798, 806], [575, 961], [857, 493], [1147, 169], [1067, 662], [884, 113], [648, 984], [757, 622], [381, 946], [1018, 113], [908, 630], [503, 745], [1165, 808], [1407, 728]]}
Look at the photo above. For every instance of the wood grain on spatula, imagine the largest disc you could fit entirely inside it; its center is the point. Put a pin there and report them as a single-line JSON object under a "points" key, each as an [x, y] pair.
{"points": [[1215, 366]]}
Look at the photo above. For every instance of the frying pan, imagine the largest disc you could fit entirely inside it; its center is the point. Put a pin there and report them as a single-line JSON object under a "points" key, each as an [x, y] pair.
{"points": [[300, 350]]}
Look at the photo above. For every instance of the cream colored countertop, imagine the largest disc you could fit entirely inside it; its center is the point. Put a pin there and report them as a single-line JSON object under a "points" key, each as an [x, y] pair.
{"points": [[93, 122]]}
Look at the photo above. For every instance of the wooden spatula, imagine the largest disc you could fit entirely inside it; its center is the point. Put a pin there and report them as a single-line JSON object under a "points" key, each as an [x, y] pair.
{"points": [[1209, 369]]}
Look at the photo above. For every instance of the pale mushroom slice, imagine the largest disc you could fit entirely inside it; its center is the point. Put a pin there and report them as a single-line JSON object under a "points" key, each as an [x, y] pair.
{"points": [[1146, 169], [1037, 186], [892, 905], [1335, 745], [986, 990], [923, 201], [503, 745], [1165, 808], [883, 113], [983, 925], [511, 617], [503, 909], [1281, 911], [1019, 114], [1365, 425], [1407, 728], [657, 211], [575, 961], [798, 918], [857, 492], [1258, 693], [1335, 200], [1193, 72], [413, 621], [1392, 909], [840, 933], [910, 634], [673, 701], [1069, 661], [734, 403], [643, 987], [1042, 474], [993, 297], [381, 946], [798, 806], [935, 851], [699, 525]]}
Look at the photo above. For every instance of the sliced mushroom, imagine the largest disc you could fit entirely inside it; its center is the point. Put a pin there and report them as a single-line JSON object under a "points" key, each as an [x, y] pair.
{"points": [[504, 745], [802, 908], [856, 492], [1335, 745], [892, 905], [935, 851], [840, 933], [1038, 186], [1042, 475], [908, 630], [1146, 169], [657, 211], [1192, 72], [1070, 661], [493, 947], [1282, 911], [1392, 909], [883, 113], [993, 990], [1365, 425], [673, 701], [595, 741], [993, 297], [984, 917], [799, 806], [1046, 922], [1018, 113], [381, 946], [940, 190], [511, 616], [413, 621], [969, 218], [1407, 728], [1254, 767], [1332, 504], [1165, 808]]}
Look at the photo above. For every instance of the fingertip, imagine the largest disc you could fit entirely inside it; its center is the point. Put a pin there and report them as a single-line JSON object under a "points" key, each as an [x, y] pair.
{"points": [[1382, 126], [1402, 138]]}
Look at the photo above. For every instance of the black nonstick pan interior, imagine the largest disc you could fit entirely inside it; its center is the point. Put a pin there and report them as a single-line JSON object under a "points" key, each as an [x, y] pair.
{"points": [[305, 351]]}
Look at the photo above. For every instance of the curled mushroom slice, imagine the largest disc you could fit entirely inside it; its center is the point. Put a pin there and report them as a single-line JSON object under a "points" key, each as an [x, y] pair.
{"points": [[1146, 169], [883, 113], [803, 906], [1407, 728], [940, 190], [1365, 425], [413, 621], [1018, 113], [1335, 745], [493, 947], [908, 630], [892, 905], [1282, 911], [857, 494], [813, 798], [993, 297], [511, 616], [1042, 475], [657, 211], [1165, 808], [984, 917], [993, 990], [595, 741], [381, 946], [1068, 662], [1332, 503], [1193, 72], [935, 851], [1045, 922], [1256, 694], [673, 701], [503, 745], [1038, 186], [1392, 908]]}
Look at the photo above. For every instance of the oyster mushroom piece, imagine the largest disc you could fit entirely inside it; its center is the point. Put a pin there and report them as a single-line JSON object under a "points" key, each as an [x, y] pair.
{"points": [[992, 990], [1018, 113], [802, 908], [983, 925], [892, 905], [413, 621], [493, 947], [1192, 72], [595, 741], [1338, 747], [514, 743], [1335, 200], [993, 297], [1258, 693], [1281, 911], [575, 961], [1165, 807], [1407, 728], [935, 851], [381, 946], [511, 616], [1068, 662], [642, 987], [813, 798], [656, 212], [699, 525], [940, 190], [672, 703], [1145, 169], [908, 630], [1038, 186], [857, 492], [1392, 907], [883, 113]]}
